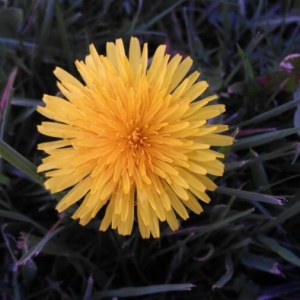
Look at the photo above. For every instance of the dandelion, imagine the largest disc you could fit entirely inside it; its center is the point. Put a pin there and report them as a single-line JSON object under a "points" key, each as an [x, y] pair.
{"points": [[132, 139]]}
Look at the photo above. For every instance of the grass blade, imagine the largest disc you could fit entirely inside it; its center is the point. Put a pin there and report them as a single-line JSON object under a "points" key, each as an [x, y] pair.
{"points": [[215, 226], [160, 15], [285, 215], [281, 251], [276, 200], [64, 36], [227, 276], [261, 139], [89, 288], [38, 247], [261, 263], [271, 113], [45, 30], [19, 161], [19, 217]]}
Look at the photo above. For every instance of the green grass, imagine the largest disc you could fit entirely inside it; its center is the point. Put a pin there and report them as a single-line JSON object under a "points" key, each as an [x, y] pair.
{"points": [[246, 244]]}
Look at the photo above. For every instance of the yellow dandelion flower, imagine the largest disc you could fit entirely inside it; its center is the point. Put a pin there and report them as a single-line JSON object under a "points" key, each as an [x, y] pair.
{"points": [[132, 139]]}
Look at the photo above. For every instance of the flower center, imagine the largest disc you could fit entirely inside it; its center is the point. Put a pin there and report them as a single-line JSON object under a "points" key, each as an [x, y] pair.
{"points": [[136, 135], [135, 138]]}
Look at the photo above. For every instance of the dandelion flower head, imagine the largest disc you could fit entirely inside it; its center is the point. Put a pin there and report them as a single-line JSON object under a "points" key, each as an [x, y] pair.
{"points": [[132, 140]]}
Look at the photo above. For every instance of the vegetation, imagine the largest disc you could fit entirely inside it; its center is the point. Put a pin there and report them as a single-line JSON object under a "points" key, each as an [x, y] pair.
{"points": [[246, 243]]}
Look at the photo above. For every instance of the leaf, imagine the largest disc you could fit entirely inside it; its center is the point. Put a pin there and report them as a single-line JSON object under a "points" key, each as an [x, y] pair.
{"points": [[59, 248], [277, 200], [6, 103], [285, 215], [64, 36], [89, 288], [272, 113], [8, 87], [160, 15], [259, 174], [19, 217], [237, 88], [297, 112], [45, 30], [145, 290], [4, 180], [214, 226], [287, 149], [38, 247], [227, 276], [280, 291], [19, 161], [261, 139], [53, 248], [26, 102], [29, 270], [297, 118], [261, 263], [281, 251], [269, 22], [247, 65], [291, 83]]}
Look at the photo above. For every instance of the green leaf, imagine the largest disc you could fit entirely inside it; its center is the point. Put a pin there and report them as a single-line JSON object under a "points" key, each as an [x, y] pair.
{"points": [[38, 247], [4, 180], [259, 174], [214, 226], [291, 83], [237, 88], [29, 270], [64, 36], [58, 248], [297, 118], [247, 65], [158, 16], [45, 31], [285, 215], [227, 276], [290, 149], [19, 217], [297, 112], [260, 263], [271, 113], [261, 139], [19, 161], [54, 248], [277, 200], [281, 251]]}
